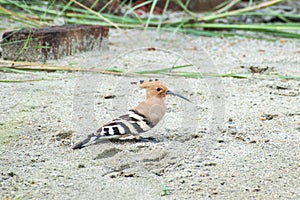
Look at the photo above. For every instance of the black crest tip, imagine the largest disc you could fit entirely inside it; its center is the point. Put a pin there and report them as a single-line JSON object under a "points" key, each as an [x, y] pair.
{"points": [[133, 83]]}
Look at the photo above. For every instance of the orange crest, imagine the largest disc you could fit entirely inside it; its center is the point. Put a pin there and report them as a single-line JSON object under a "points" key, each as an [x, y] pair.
{"points": [[154, 88]]}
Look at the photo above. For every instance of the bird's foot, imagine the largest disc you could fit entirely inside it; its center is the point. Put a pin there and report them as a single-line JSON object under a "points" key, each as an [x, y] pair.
{"points": [[147, 139]]}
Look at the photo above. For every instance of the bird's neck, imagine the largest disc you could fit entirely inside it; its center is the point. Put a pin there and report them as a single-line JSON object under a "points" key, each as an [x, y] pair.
{"points": [[156, 100], [156, 109]]}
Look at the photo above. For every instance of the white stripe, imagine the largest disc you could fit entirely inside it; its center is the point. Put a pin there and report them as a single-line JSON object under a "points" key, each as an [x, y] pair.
{"points": [[121, 129], [143, 125], [136, 116], [110, 130], [131, 128]]}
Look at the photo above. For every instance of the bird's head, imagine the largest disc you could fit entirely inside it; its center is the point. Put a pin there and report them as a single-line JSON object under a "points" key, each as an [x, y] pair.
{"points": [[155, 88]]}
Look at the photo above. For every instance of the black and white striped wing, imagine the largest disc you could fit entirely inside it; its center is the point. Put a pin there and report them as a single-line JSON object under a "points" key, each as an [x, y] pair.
{"points": [[132, 123]]}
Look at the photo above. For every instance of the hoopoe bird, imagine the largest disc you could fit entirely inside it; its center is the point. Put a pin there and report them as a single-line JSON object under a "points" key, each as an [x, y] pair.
{"points": [[139, 119]]}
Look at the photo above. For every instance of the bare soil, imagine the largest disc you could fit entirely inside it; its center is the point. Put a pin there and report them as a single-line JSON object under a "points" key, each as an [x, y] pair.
{"points": [[239, 139]]}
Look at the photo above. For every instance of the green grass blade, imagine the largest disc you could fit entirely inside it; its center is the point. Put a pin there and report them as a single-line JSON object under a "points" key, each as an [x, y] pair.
{"points": [[163, 14], [163, 70], [184, 8], [150, 13], [214, 16], [8, 69], [131, 10]]}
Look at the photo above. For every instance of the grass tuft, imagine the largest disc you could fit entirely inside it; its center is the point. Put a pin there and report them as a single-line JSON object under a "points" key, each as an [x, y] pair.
{"points": [[74, 12]]}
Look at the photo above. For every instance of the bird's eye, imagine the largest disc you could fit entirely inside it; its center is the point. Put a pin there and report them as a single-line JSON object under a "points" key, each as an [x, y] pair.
{"points": [[158, 89]]}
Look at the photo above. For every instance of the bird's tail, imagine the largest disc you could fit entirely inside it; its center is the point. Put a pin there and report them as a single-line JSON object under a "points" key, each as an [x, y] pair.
{"points": [[91, 139]]}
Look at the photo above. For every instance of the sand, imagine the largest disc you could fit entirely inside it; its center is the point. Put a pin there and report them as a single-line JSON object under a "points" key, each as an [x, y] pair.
{"points": [[239, 139]]}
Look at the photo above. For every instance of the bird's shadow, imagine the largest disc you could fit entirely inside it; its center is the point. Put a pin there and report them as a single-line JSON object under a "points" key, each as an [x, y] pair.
{"points": [[135, 140], [131, 140]]}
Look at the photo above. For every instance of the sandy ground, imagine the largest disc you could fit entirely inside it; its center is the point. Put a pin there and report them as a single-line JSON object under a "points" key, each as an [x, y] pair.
{"points": [[239, 139]]}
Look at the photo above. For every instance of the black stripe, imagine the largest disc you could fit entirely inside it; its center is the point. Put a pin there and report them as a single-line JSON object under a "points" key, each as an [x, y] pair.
{"points": [[137, 127], [148, 123], [136, 112], [106, 131], [129, 119], [133, 119], [116, 130]]}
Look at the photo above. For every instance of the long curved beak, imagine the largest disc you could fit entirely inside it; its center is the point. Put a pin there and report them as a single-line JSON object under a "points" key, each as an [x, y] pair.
{"points": [[178, 95]]}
